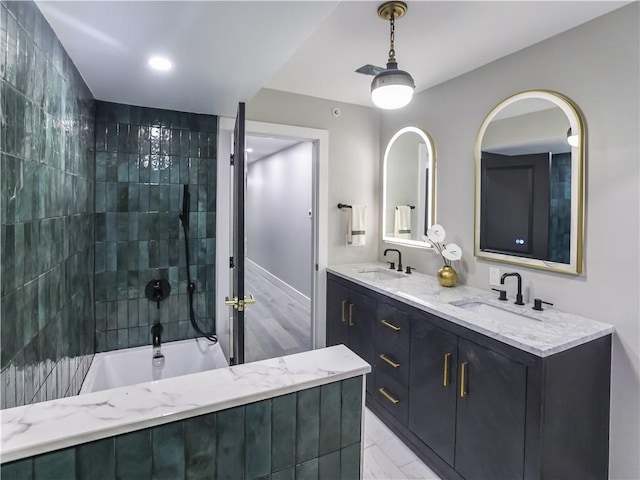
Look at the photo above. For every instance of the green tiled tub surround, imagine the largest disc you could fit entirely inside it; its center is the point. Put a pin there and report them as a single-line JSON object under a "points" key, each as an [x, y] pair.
{"points": [[243, 442], [143, 158], [47, 184]]}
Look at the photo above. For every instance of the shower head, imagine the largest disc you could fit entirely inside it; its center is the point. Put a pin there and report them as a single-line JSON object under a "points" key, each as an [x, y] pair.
{"points": [[184, 216]]}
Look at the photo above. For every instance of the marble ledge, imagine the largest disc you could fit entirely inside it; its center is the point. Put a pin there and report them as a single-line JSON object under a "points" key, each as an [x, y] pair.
{"points": [[42, 427], [547, 332]]}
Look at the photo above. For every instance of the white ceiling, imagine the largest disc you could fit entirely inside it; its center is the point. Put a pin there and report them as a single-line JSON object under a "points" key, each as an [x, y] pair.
{"points": [[226, 51]]}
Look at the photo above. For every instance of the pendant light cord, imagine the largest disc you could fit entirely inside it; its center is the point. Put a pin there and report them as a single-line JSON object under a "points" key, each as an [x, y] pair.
{"points": [[392, 48]]}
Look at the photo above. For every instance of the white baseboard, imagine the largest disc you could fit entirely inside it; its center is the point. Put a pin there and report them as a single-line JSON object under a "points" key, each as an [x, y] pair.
{"points": [[299, 297]]}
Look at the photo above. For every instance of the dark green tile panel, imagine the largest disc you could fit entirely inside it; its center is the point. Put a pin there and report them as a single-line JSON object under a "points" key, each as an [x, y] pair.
{"points": [[257, 440], [18, 470], [307, 424], [133, 455], [167, 445], [55, 465], [143, 158], [200, 447], [230, 443], [350, 462], [97, 460], [351, 414], [329, 466], [307, 470], [283, 440], [330, 401], [47, 211]]}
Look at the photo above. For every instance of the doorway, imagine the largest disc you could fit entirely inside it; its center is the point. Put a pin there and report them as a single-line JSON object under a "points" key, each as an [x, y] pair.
{"points": [[279, 246], [305, 138]]}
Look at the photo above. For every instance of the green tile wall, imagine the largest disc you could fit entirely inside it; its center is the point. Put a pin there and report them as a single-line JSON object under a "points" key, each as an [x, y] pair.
{"points": [[560, 208], [239, 443], [46, 213], [144, 157]]}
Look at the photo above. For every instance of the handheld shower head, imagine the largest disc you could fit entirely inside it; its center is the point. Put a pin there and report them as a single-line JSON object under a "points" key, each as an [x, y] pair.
{"points": [[184, 216]]}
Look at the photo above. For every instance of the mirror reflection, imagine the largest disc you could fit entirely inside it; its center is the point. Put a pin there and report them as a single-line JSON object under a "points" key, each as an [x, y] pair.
{"points": [[408, 194], [529, 160]]}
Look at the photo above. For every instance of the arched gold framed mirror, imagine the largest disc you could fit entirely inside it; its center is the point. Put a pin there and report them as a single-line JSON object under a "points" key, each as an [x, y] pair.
{"points": [[408, 187], [529, 180]]}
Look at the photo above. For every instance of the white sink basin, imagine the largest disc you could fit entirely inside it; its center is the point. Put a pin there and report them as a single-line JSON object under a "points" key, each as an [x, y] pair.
{"points": [[381, 273], [494, 312]]}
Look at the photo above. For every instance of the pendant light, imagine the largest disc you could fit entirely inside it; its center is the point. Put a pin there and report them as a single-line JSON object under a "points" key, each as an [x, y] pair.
{"points": [[392, 88]]}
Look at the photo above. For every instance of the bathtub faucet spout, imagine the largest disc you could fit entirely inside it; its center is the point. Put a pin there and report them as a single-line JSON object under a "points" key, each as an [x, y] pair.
{"points": [[158, 357]]}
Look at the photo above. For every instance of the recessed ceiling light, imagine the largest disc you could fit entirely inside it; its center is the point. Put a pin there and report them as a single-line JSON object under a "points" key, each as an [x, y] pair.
{"points": [[160, 63]]}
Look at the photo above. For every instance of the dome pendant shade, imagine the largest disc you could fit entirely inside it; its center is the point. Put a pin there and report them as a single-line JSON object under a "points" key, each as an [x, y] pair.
{"points": [[392, 88]]}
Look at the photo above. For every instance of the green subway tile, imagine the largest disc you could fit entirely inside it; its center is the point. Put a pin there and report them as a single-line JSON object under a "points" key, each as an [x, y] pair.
{"points": [[307, 424], [330, 400], [96, 460], [55, 465], [329, 466], [307, 470], [350, 462], [168, 451], [200, 447], [351, 414], [286, 474], [133, 455], [229, 444], [18, 470], [258, 439]]}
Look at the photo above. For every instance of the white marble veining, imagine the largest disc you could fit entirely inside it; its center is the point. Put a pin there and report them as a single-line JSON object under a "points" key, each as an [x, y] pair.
{"points": [[548, 332], [42, 427]]}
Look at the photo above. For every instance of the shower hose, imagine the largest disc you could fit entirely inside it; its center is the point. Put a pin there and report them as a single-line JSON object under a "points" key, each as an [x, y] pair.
{"points": [[184, 218]]}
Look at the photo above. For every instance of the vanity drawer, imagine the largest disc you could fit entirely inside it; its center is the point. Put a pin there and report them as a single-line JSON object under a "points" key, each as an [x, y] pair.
{"points": [[392, 395], [394, 366], [393, 328]]}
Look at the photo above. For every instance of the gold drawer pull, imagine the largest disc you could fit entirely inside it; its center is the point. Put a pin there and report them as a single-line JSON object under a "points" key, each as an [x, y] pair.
{"points": [[463, 374], [388, 397], [390, 325], [351, 314], [389, 361], [445, 376], [344, 303]]}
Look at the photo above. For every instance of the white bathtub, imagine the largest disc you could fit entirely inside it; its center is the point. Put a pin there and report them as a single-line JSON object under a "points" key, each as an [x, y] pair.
{"points": [[120, 368]]}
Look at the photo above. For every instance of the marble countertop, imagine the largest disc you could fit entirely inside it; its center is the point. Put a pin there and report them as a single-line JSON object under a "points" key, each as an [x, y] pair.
{"points": [[541, 333], [42, 427]]}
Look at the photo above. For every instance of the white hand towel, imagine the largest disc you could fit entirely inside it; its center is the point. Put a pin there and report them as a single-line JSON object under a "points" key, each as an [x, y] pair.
{"points": [[402, 224], [356, 228]]}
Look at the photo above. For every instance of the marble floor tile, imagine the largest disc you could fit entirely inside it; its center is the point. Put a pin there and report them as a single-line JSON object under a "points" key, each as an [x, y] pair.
{"points": [[386, 457]]}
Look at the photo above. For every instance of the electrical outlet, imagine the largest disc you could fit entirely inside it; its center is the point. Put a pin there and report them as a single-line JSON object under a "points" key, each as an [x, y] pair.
{"points": [[494, 276]]}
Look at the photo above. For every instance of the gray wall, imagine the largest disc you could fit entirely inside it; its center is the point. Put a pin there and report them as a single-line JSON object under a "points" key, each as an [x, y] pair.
{"points": [[597, 66], [278, 226], [354, 176], [46, 198]]}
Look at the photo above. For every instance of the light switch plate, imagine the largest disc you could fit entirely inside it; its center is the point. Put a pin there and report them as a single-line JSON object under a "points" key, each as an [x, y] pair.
{"points": [[494, 276]]}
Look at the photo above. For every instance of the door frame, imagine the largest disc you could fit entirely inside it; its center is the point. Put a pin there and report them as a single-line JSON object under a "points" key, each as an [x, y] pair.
{"points": [[320, 208]]}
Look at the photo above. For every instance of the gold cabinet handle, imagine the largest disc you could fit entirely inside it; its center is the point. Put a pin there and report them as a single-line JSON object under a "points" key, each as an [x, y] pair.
{"points": [[388, 397], [351, 314], [344, 303], [445, 375], [390, 325], [463, 375], [389, 361]]}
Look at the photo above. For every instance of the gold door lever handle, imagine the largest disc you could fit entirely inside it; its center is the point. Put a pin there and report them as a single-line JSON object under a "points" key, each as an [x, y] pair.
{"points": [[231, 302], [239, 304]]}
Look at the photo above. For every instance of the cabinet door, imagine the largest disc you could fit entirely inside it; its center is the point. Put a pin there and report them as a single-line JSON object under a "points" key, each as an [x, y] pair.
{"points": [[432, 391], [337, 311], [360, 318], [490, 423]]}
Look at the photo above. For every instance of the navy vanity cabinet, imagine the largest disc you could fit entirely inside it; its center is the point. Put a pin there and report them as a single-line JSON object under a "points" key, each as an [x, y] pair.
{"points": [[467, 403], [434, 388], [392, 342], [351, 311]]}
